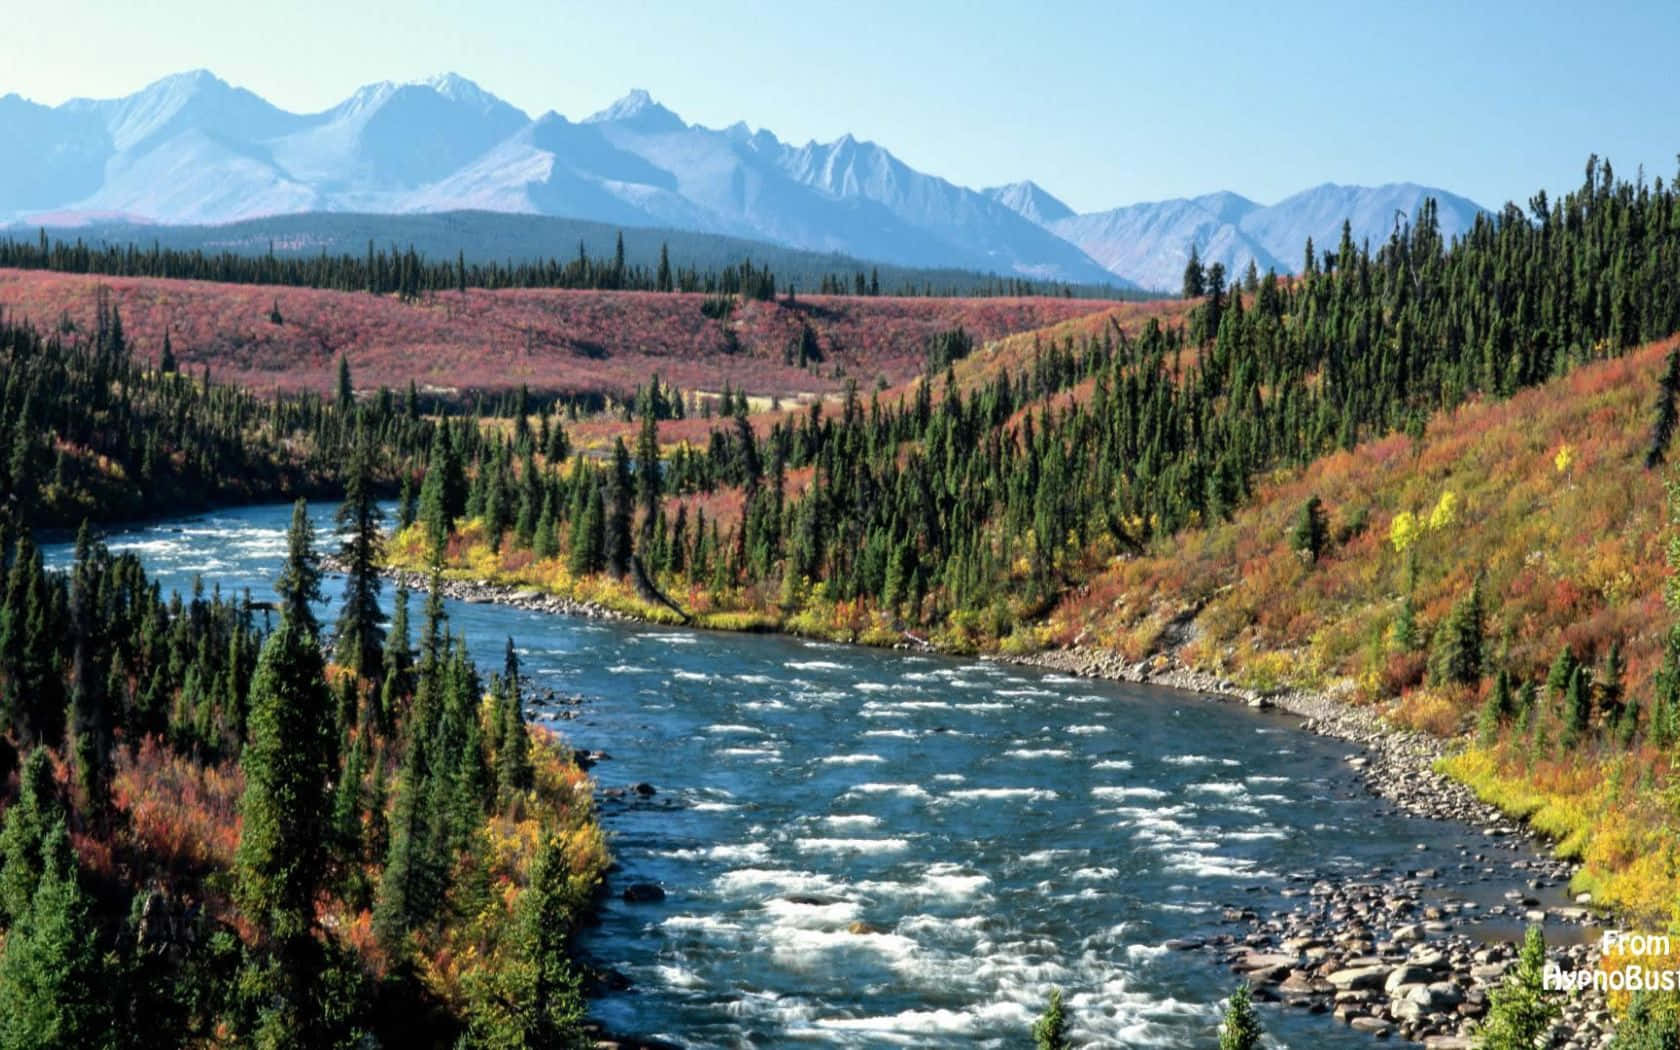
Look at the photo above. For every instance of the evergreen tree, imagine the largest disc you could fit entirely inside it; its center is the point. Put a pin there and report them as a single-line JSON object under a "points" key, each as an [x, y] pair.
{"points": [[1662, 431], [1499, 707], [361, 634], [54, 984], [24, 835], [1312, 530], [286, 809], [1194, 280], [513, 759], [588, 551], [1050, 1030], [1651, 1023], [553, 993], [1520, 1011], [346, 392], [619, 498], [649, 483], [1240, 1027], [1456, 657], [299, 585]]}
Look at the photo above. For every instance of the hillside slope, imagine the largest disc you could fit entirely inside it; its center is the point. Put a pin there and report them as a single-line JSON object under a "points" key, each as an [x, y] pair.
{"points": [[1545, 498], [559, 341]]}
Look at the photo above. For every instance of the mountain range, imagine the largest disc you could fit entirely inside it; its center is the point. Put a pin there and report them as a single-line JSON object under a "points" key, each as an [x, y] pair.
{"points": [[193, 149]]}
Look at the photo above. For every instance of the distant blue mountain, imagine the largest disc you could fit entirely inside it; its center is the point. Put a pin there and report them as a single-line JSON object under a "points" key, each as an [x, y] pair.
{"points": [[192, 149], [1149, 244]]}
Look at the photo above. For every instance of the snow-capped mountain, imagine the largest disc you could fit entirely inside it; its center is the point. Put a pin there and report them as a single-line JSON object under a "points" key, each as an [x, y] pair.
{"points": [[193, 149], [1149, 244]]}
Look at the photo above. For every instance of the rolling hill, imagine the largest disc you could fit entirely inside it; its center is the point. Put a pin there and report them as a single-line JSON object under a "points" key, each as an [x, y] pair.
{"points": [[576, 342]]}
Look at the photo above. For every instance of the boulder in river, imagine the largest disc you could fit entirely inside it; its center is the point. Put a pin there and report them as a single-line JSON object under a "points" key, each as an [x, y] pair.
{"points": [[644, 893]]}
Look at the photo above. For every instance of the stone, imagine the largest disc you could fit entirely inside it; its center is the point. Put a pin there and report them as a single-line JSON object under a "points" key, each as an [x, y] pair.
{"points": [[1370, 1026], [1359, 978], [644, 893]]}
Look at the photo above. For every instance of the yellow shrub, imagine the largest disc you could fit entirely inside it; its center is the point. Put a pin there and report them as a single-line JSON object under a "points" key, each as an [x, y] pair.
{"points": [[1403, 531]]}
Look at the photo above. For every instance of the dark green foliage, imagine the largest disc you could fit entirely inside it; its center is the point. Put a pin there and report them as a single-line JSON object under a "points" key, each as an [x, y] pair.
{"points": [[1239, 1029], [947, 348], [299, 585], [286, 828], [1499, 708], [1456, 655], [1195, 281], [1050, 1030], [1662, 431], [1520, 1011], [1652, 1023], [361, 634], [1311, 531], [24, 835], [54, 988]]}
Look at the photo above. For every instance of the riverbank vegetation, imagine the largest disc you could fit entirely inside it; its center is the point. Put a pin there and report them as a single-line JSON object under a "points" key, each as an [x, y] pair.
{"points": [[1429, 476], [220, 836]]}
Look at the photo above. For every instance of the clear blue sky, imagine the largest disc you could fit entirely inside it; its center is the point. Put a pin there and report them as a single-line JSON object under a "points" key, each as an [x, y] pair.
{"points": [[1104, 103]]}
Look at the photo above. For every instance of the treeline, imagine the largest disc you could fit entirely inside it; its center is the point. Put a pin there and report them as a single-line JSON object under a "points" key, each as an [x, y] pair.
{"points": [[89, 432], [974, 509], [409, 274], [220, 836]]}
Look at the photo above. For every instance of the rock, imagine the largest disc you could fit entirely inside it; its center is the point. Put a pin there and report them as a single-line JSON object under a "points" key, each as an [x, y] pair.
{"points": [[644, 789], [1408, 933], [1447, 1042], [1359, 978], [1183, 944], [864, 928], [644, 893], [1370, 1026], [1410, 973]]}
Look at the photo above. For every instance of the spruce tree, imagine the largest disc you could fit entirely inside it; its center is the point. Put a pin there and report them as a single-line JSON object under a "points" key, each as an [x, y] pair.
{"points": [[619, 511], [1662, 430], [1240, 1028], [54, 983], [299, 585], [361, 633], [24, 834], [588, 537], [1456, 657], [552, 991], [1520, 1011], [285, 812], [1050, 1030], [1312, 530], [649, 483], [346, 392]]}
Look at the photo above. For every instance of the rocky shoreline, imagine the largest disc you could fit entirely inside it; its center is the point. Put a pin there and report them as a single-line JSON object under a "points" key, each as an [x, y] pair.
{"points": [[1370, 950]]}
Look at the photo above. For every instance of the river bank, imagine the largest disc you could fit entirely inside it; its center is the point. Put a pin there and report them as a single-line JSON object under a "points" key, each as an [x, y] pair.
{"points": [[1383, 953], [1371, 950]]}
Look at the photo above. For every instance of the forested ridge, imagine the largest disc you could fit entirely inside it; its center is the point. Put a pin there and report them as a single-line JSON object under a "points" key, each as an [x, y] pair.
{"points": [[235, 825], [967, 510], [1065, 495], [410, 274]]}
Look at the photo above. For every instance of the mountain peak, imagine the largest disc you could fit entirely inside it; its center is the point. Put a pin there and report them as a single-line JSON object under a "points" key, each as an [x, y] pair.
{"points": [[638, 109], [1031, 201]]}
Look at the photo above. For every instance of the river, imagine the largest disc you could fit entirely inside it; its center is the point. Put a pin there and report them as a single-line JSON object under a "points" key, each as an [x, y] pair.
{"points": [[870, 848]]}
